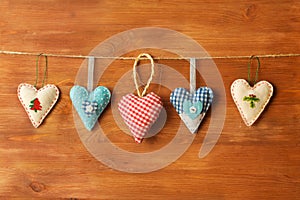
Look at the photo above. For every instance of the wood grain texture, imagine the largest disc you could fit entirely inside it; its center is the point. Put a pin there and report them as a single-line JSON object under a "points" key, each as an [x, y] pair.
{"points": [[259, 162]]}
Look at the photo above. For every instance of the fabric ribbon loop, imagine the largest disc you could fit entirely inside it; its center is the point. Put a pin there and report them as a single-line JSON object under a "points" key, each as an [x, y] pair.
{"points": [[192, 75], [90, 81]]}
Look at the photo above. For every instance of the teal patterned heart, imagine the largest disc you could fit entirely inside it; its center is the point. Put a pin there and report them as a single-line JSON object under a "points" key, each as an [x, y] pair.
{"points": [[89, 105], [192, 110]]}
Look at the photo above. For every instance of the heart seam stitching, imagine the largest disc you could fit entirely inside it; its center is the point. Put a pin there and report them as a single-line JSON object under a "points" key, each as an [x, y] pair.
{"points": [[41, 89], [249, 87]]}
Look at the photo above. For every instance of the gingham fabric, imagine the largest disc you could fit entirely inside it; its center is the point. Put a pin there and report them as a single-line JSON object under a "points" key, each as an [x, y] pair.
{"points": [[89, 107], [203, 94], [139, 114], [202, 98]]}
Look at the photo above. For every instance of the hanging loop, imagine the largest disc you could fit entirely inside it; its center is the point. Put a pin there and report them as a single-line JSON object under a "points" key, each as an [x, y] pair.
{"points": [[192, 75], [90, 81], [135, 74], [257, 68], [37, 69]]}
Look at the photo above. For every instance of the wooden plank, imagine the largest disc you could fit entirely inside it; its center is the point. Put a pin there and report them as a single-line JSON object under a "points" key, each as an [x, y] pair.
{"points": [[259, 162]]}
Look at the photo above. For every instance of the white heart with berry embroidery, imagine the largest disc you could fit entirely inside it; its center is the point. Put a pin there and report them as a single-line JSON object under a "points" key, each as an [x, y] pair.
{"points": [[37, 103], [140, 113], [251, 101]]}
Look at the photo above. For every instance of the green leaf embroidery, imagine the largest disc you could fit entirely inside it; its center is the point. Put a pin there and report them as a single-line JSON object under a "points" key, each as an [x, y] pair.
{"points": [[252, 99]]}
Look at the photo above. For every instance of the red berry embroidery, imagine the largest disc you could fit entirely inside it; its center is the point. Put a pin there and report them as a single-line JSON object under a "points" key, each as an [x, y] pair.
{"points": [[252, 99], [35, 105]]}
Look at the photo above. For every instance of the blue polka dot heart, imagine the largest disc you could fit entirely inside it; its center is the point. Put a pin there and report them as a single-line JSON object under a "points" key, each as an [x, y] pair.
{"points": [[89, 105], [192, 107]]}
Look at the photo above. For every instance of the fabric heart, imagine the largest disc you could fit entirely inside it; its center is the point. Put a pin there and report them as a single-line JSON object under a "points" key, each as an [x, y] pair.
{"points": [[192, 107], [251, 101], [37, 103], [140, 113], [89, 105]]}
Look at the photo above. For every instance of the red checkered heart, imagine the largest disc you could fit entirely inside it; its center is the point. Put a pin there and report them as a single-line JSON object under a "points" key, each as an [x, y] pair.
{"points": [[140, 113]]}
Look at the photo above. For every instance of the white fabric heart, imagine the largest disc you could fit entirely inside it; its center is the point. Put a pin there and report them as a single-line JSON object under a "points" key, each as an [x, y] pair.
{"points": [[37, 103], [251, 101]]}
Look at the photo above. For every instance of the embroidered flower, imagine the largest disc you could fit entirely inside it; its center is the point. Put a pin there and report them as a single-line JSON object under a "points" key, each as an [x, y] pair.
{"points": [[251, 98], [35, 105], [89, 107]]}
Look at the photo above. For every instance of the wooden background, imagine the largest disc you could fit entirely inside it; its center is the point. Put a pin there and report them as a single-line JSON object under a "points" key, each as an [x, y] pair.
{"points": [[259, 162]]}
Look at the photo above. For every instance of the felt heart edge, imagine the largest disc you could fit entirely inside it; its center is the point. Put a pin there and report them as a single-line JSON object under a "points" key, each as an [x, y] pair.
{"points": [[249, 87], [36, 125], [88, 93]]}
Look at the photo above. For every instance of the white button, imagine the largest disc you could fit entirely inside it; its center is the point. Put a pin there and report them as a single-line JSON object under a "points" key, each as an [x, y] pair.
{"points": [[193, 109], [89, 108]]}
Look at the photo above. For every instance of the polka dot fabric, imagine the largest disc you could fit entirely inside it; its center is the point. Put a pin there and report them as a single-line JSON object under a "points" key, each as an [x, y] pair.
{"points": [[100, 97]]}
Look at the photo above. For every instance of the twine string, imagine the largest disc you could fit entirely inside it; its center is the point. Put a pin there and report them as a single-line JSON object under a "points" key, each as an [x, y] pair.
{"points": [[37, 69], [249, 69], [137, 59], [156, 58]]}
